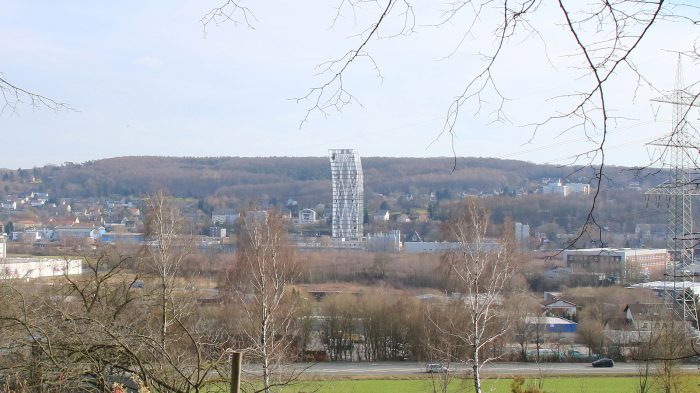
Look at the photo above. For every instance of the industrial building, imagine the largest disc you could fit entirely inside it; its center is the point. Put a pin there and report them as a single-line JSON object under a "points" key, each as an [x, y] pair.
{"points": [[622, 264], [28, 268]]}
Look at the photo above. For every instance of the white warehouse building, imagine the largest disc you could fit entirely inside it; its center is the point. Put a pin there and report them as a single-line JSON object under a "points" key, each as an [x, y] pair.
{"points": [[26, 268]]}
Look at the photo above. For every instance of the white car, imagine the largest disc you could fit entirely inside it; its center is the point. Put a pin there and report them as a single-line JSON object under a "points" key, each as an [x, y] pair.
{"points": [[435, 368]]}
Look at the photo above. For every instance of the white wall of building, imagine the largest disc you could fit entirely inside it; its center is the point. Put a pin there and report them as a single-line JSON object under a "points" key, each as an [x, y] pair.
{"points": [[39, 267]]}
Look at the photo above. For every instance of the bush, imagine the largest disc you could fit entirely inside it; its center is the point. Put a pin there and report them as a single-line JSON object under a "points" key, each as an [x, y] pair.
{"points": [[517, 386]]}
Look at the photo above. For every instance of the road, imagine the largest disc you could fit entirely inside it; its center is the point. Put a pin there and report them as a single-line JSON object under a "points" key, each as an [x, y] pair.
{"points": [[379, 369]]}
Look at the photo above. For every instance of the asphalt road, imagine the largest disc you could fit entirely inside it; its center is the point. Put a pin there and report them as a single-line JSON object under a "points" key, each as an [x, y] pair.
{"points": [[491, 369]]}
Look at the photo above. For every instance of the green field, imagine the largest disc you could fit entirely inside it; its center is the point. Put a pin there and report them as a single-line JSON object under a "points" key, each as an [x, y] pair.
{"points": [[552, 385]]}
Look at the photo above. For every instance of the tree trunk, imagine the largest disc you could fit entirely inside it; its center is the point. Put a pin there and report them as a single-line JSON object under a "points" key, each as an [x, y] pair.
{"points": [[476, 366]]}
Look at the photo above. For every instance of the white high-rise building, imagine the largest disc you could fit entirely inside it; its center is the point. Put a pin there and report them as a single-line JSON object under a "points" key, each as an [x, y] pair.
{"points": [[348, 195]]}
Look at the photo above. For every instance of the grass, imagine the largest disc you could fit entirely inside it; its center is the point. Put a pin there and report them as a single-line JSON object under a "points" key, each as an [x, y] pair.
{"points": [[551, 385]]}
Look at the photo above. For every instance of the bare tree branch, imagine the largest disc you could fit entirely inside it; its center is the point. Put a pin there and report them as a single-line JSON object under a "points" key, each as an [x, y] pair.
{"points": [[231, 11], [14, 96]]}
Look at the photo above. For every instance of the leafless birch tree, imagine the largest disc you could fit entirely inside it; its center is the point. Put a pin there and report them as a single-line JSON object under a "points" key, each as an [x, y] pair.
{"points": [[480, 271], [266, 266], [166, 250]]}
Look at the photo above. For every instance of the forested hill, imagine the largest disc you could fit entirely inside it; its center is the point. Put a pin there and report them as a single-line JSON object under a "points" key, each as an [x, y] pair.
{"points": [[302, 178]]}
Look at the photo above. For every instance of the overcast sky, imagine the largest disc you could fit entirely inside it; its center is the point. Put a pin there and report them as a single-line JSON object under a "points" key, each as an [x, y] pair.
{"points": [[145, 80]]}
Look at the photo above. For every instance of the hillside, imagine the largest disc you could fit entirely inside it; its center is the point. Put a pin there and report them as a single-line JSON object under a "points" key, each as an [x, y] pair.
{"points": [[306, 179], [401, 185]]}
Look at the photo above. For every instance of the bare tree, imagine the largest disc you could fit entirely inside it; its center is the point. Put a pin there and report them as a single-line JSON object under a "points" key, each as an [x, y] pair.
{"points": [[266, 266], [166, 249], [340, 313], [84, 333], [481, 271], [669, 348], [524, 311], [591, 330]]}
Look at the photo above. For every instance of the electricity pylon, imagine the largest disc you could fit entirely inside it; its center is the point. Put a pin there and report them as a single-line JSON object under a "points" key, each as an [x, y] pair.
{"points": [[680, 156]]}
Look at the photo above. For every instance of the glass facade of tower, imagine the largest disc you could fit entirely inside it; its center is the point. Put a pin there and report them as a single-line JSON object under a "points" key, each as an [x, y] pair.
{"points": [[348, 195]]}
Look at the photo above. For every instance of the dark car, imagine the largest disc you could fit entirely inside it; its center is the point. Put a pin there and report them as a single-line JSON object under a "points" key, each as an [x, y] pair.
{"points": [[604, 362]]}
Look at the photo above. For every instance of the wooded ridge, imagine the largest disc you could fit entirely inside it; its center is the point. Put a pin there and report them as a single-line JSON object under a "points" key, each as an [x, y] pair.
{"points": [[306, 179]]}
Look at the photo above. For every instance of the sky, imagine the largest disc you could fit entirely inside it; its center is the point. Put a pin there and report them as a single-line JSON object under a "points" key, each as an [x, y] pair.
{"points": [[145, 78]]}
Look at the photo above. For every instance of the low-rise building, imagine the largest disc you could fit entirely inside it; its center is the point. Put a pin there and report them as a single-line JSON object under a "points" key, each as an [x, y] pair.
{"points": [[217, 232], [553, 326], [560, 188], [666, 289], [626, 264], [27, 268], [384, 242], [429, 247], [78, 231], [646, 316], [9, 205], [307, 216], [557, 273], [560, 307], [125, 238], [382, 215], [226, 216]]}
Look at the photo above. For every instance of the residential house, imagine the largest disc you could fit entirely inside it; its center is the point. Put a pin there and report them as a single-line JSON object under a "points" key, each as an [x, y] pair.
{"points": [[557, 273], [37, 203], [217, 232], [307, 216], [560, 307], [403, 218], [382, 215], [645, 316]]}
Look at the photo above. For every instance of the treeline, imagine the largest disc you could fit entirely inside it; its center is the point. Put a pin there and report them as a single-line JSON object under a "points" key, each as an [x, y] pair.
{"points": [[306, 179]]}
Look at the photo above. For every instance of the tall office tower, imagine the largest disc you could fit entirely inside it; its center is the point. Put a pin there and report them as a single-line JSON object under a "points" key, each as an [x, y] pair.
{"points": [[348, 196]]}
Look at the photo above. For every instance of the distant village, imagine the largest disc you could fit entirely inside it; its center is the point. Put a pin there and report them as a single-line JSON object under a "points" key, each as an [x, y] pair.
{"points": [[37, 223]]}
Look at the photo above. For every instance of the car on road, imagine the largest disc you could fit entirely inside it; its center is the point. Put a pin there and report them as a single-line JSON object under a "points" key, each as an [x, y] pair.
{"points": [[435, 368], [604, 362]]}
